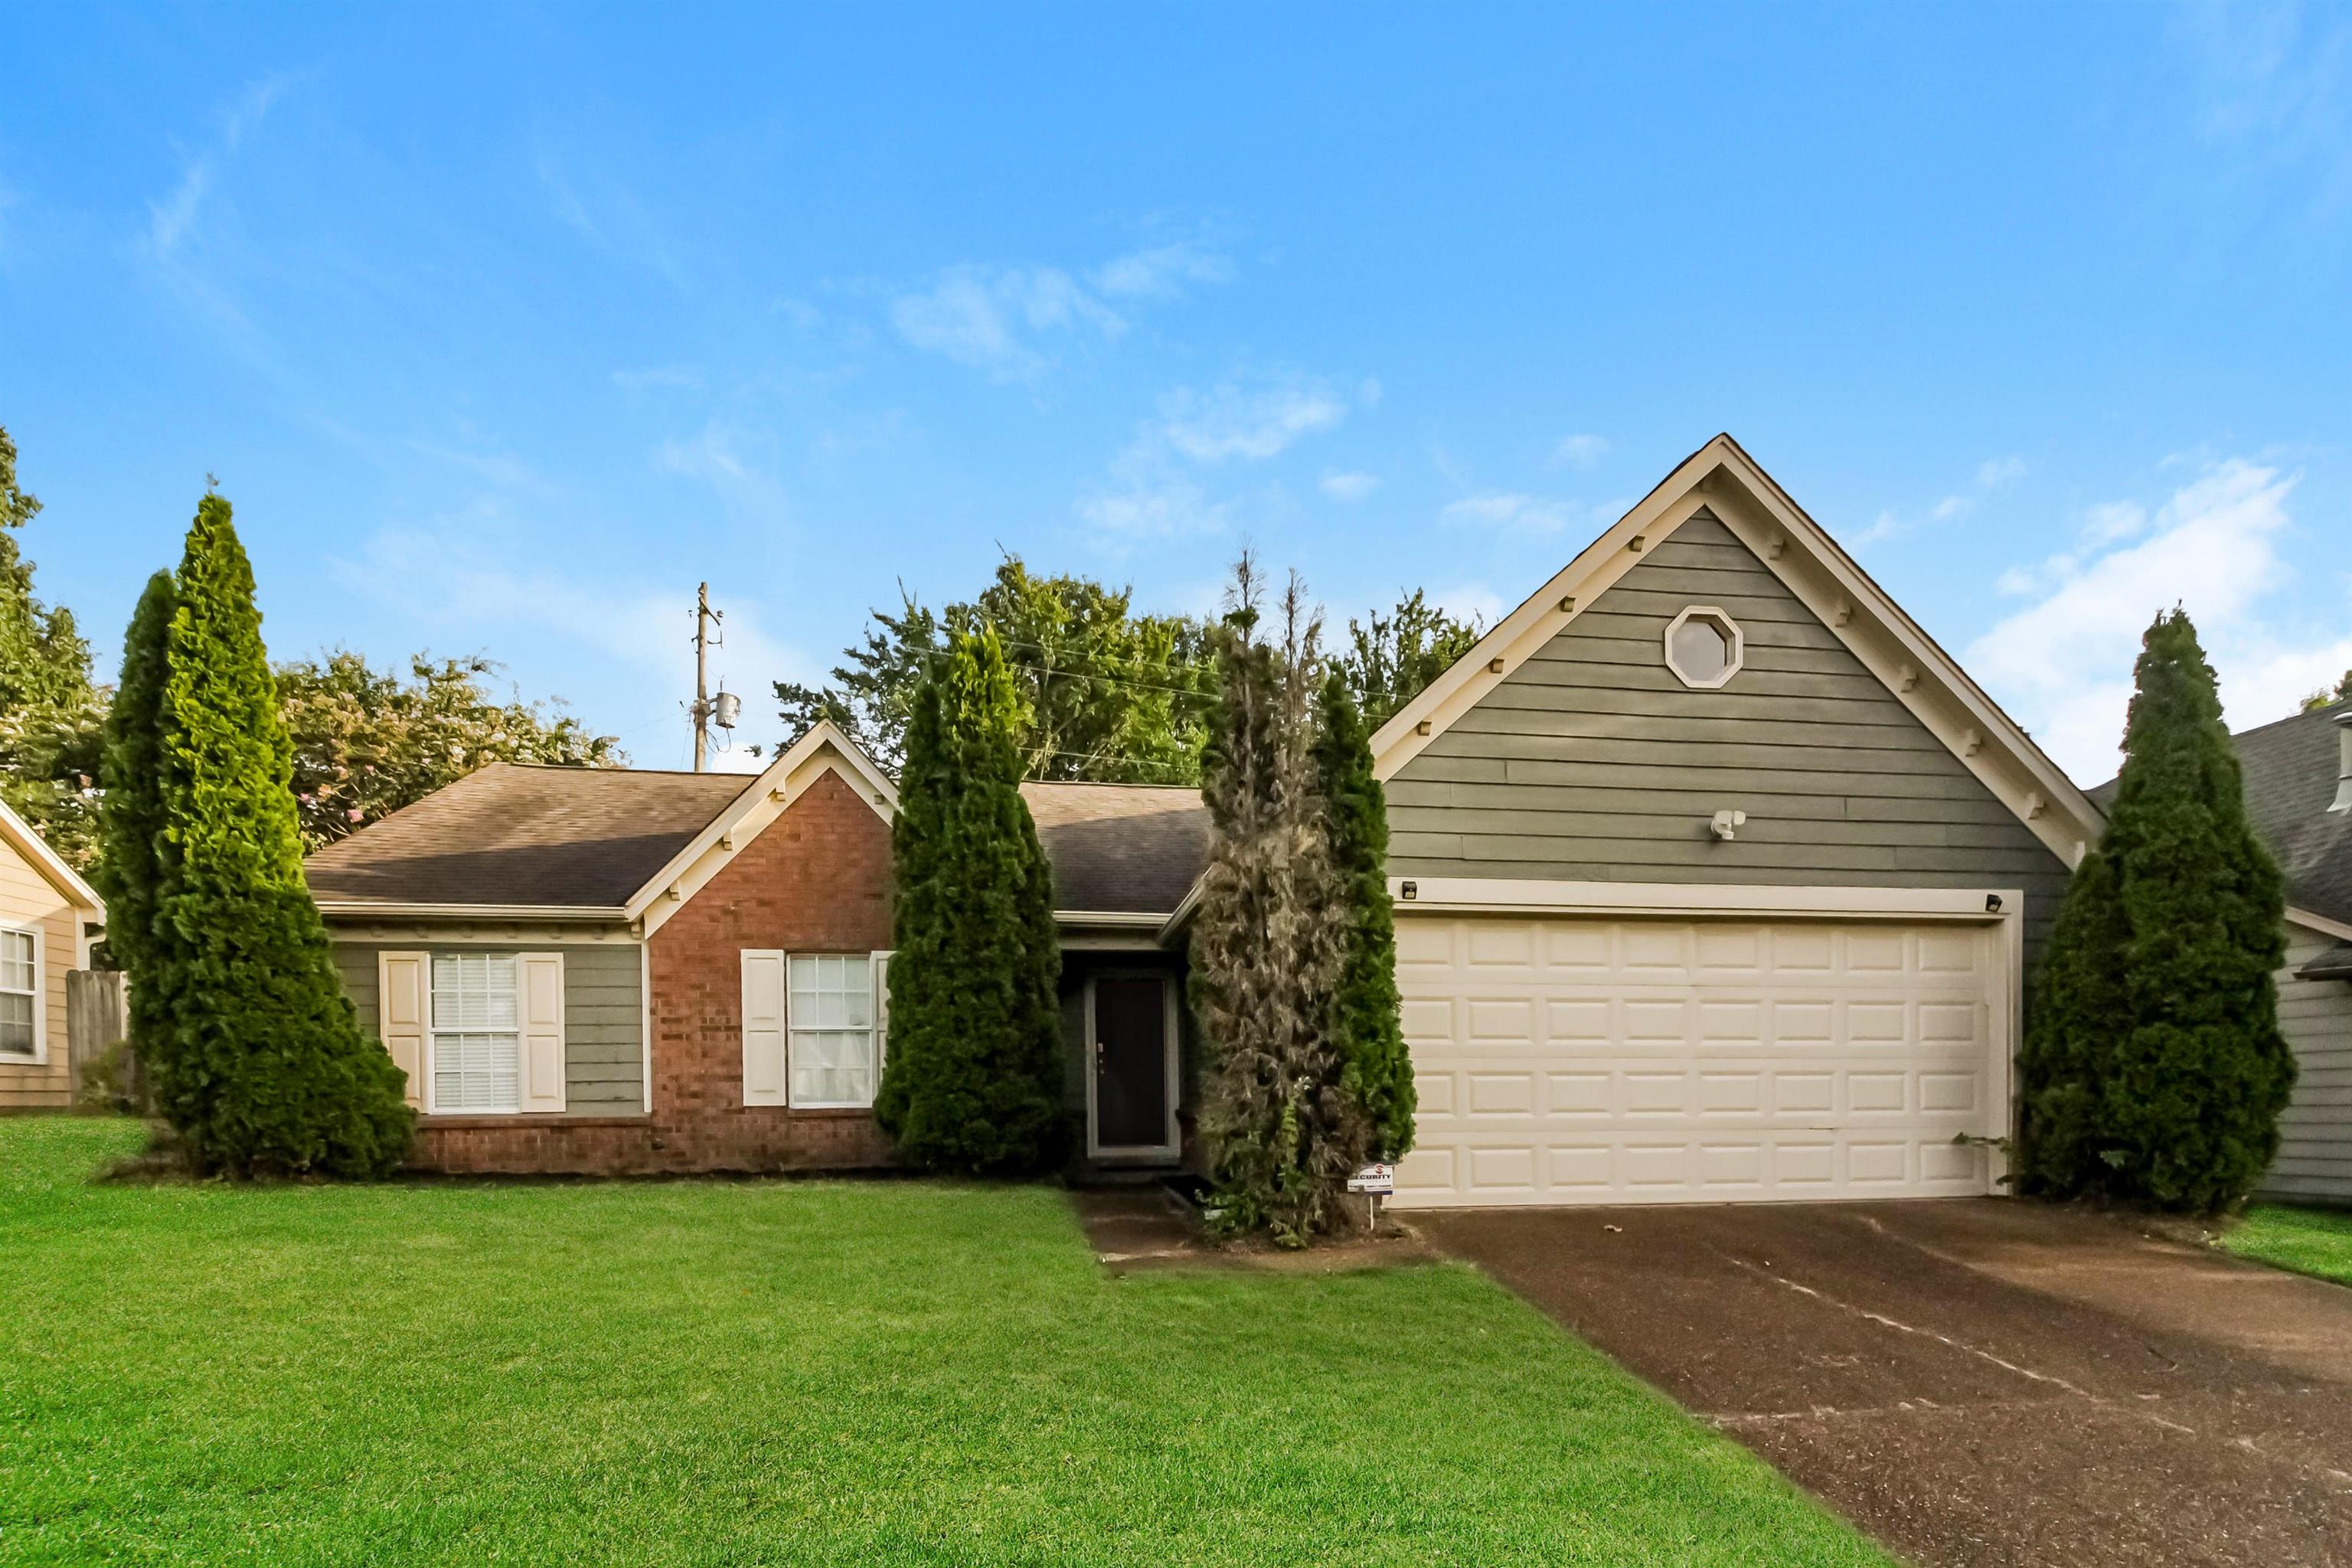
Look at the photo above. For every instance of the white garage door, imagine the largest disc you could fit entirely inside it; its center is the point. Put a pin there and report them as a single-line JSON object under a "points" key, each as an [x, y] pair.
{"points": [[1603, 1060]]}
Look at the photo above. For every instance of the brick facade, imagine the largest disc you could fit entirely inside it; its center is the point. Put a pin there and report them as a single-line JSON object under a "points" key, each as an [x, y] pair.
{"points": [[815, 881]]}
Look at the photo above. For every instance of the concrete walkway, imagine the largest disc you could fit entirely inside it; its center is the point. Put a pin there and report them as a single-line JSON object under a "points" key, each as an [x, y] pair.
{"points": [[1974, 1382]]}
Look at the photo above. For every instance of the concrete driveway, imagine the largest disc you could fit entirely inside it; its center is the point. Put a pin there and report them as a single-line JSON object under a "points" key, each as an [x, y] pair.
{"points": [[1974, 1382]]}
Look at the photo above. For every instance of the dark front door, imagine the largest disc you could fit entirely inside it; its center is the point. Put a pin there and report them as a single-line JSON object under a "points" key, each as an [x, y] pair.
{"points": [[1131, 1062]]}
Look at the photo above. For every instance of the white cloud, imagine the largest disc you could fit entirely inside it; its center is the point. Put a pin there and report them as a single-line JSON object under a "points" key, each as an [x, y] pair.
{"points": [[715, 457], [2111, 520], [996, 320], [1146, 508], [1992, 474], [1230, 420], [1155, 490], [171, 220], [1353, 486], [1473, 602], [1582, 452], [1161, 271], [677, 377], [2064, 664], [1515, 512]]}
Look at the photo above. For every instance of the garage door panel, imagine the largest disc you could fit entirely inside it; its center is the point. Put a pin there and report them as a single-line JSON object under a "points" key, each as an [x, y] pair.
{"points": [[1568, 1061]]}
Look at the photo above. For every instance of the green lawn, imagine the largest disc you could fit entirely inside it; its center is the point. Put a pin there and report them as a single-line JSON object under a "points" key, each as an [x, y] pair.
{"points": [[801, 1372], [2309, 1241]]}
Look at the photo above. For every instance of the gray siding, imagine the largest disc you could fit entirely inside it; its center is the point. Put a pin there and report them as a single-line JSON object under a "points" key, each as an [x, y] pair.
{"points": [[604, 1016], [1592, 763], [2315, 1157]]}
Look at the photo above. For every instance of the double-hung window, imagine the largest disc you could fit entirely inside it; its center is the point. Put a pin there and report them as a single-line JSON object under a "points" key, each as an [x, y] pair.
{"points": [[476, 1033], [836, 1056], [20, 993], [814, 1027]]}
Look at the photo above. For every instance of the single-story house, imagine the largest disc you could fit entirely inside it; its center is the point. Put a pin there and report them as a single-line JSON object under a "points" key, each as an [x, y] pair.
{"points": [[2298, 778], [1716, 880], [48, 917]]}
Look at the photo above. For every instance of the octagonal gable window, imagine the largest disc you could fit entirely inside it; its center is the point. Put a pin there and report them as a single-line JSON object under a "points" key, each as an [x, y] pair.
{"points": [[1704, 646]]}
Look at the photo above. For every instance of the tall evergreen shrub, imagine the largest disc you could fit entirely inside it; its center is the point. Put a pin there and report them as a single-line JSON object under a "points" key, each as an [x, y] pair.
{"points": [[265, 1069], [132, 819], [1283, 1130], [2154, 1070], [1365, 1030], [973, 1080]]}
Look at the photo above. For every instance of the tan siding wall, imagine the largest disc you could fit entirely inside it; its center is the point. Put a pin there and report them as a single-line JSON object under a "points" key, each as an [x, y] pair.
{"points": [[28, 901], [1591, 762], [2314, 1158], [603, 1014]]}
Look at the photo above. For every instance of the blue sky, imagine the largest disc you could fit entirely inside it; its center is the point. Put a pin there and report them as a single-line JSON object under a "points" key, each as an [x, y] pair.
{"points": [[504, 326]]}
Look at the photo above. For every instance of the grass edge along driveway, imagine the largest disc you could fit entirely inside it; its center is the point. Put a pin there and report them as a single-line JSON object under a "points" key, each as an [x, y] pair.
{"points": [[2306, 1240], [811, 1372]]}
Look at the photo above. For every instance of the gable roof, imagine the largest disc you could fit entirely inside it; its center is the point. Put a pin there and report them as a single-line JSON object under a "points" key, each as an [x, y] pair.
{"points": [[518, 836], [1721, 479], [524, 841], [1130, 849], [20, 834], [2291, 769]]}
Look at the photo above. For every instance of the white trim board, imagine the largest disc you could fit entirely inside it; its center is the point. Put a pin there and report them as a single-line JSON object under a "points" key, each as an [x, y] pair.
{"points": [[2339, 930], [1686, 900], [19, 833], [1724, 480]]}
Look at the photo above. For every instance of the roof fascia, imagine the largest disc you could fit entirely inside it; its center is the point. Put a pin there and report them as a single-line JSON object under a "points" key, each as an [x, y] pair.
{"points": [[2311, 920], [824, 749], [351, 908], [48, 862]]}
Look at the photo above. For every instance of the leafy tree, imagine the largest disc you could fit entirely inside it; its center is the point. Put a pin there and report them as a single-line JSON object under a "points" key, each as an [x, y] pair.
{"points": [[132, 819], [1365, 1028], [2154, 1070], [1282, 1133], [49, 713], [2329, 697], [973, 1080], [1387, 662], [1101, 692], [367, 742], [263, 1069]]}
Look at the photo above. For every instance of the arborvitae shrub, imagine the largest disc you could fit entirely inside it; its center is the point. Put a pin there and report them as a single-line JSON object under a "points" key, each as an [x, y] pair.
{"points": [[973, 1081], [2154, 1069], [264, 1068], [1365, 1025]]}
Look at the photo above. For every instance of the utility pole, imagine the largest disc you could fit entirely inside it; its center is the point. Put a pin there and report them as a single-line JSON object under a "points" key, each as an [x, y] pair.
{"points": [[703, 615]]}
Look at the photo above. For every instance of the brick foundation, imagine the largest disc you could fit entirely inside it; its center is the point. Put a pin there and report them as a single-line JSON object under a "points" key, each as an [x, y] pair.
{"points": [[816, 881]]}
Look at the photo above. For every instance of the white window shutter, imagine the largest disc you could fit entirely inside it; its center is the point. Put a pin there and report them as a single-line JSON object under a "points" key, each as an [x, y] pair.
{"points": [[540, 979], [881, 1015], [403, 994], [765, 1078]]}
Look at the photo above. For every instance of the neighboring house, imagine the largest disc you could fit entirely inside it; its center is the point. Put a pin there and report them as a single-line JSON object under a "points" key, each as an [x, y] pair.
{"points": [[1716, 880], [2298, 777], [48, 917]]}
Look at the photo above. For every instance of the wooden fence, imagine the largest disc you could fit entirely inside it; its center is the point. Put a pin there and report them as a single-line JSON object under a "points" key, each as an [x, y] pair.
{"points": [[94, 1023]]}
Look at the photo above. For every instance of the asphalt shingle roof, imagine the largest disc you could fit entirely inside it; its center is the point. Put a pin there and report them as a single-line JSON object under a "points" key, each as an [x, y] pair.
{"points": [[511, 834], [591, 837], [1120, 848], [2291, 769]]}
